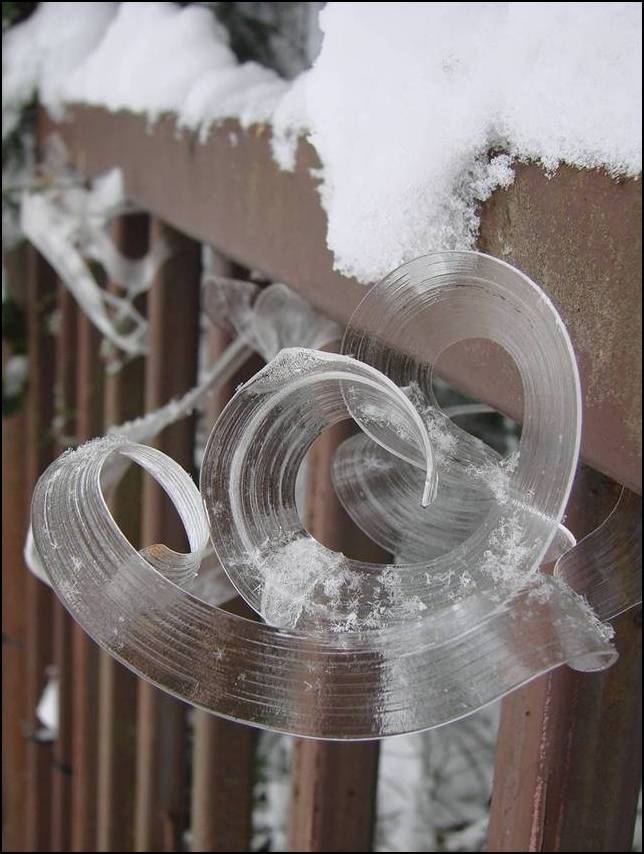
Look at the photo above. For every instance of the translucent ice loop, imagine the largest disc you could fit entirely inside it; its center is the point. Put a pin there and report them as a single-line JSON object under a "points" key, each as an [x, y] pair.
{"points": [[69, 227], [508, 509], [351, 650], [606, 566], [257, 320]]}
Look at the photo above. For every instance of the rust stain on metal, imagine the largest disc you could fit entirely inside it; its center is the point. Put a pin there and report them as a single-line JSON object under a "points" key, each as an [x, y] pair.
{"points": [[579, 235]]}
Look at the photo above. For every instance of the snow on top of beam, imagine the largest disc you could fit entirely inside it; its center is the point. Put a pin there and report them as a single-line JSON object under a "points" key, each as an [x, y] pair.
{"points": [[417, 110]]}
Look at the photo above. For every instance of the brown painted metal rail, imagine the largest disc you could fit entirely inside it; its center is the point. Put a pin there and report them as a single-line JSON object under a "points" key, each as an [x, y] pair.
{"points": [[131, 768]]}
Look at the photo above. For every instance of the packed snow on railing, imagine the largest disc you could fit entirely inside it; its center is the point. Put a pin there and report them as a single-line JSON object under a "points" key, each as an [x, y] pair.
{"points": [[418, 111]]}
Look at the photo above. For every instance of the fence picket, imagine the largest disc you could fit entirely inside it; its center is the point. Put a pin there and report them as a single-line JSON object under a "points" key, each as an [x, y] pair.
{"points": [[223, 752], [171, 367], [124, 392], [65, 397], [41, 300], [569, 760], [85, 653], [333, 784], [15, 637]]}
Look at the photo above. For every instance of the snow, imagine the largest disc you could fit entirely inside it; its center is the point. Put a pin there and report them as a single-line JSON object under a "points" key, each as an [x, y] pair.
{"points": [[417, 111], [14, 377], [42, 53], [47, 710], [406, 100], [130, 68]]}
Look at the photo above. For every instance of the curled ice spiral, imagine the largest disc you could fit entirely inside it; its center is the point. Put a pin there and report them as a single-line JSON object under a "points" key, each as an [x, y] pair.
{"points": [[351, 650]]}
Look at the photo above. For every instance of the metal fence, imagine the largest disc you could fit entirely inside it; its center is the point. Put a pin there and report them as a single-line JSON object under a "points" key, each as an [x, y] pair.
{"points": [[126, 771]]}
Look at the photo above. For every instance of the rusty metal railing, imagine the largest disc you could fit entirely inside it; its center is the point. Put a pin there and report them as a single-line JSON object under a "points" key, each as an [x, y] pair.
{"points": [[121, 776]]}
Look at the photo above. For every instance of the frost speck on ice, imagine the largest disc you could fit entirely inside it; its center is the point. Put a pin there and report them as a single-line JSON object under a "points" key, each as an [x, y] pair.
{"points": [[417, 110]]}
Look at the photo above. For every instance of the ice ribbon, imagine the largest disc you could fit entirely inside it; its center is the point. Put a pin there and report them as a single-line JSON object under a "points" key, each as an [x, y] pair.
{"points": [[353, 650], [68, 224], [262, 320]]}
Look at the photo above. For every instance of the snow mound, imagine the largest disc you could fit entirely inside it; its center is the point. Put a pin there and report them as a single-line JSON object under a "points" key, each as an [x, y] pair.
{"points": [[417, 110], [407, 100]]}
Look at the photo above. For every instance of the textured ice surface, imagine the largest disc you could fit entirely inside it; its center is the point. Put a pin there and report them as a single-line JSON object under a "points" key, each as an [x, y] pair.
{"points": [[351, 649]]}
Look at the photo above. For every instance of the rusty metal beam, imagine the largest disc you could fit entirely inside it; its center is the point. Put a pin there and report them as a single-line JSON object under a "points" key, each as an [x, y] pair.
{"points": [[171, 367], [333, 784], [569, 762], [223, 752], [578, 233], [124, 395], [14, 625], [65, 406], [222, 784], [40, 302], [85, 653]]}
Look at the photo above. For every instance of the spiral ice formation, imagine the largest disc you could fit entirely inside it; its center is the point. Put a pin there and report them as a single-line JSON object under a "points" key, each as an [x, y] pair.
{"points": [[350, 650]]}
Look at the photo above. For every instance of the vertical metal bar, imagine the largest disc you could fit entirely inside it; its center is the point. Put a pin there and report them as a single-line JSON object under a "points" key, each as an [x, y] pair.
{"points": [[222, 794], [568, 763], [333, 784], [65, 406], [41, 295], [118, 686], [85, 653], [173, 312], [223, 751], [14, 624], [14, 636]]}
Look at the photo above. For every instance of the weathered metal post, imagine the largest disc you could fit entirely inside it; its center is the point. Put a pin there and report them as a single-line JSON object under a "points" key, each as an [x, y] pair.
{"points": [[171, 368]]}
